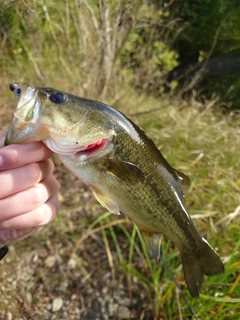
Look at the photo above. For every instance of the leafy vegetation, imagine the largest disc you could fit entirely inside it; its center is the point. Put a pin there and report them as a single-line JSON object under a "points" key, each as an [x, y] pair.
{"points": [[103, 49], [119, 52]]}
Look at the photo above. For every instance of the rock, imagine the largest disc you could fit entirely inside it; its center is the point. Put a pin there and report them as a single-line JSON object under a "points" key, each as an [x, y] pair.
{"points": [[123, 313], [72, 263], [50, 261], [112, 307], [9, 316], [63, 286], [29, 297], [126, 302], [57, 304]]}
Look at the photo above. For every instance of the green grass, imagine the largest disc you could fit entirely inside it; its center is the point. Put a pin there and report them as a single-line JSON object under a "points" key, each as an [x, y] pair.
{"points": [[220, 297], [202, 143], [205, 145], [195, 138]]}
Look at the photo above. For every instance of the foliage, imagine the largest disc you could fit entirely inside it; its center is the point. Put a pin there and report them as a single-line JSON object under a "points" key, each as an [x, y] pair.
{"points": [[108, 50], [79, 41], [202, 19], [102, 49], [209, 30]]}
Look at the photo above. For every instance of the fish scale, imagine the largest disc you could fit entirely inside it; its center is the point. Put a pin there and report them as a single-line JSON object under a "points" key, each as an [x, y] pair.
{"points": [[127, 173]]}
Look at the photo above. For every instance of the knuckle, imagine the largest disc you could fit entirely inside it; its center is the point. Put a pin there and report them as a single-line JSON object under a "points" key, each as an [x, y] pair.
{"points": [[56, 204], [57, 184], [37, 196], [44, 215], [12, 157], [33, 171], [51, 165], [40, 216]]}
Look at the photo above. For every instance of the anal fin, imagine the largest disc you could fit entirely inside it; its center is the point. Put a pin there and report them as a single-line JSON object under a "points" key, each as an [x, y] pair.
{"points": [[153, 243]]}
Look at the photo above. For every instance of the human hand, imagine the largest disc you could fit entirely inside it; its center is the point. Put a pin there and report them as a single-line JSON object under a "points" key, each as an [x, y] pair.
{"points": [[28, 189]]}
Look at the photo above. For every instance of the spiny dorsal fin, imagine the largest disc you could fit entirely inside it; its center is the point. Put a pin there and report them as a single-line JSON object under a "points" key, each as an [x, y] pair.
{"points": [[184, 180]]}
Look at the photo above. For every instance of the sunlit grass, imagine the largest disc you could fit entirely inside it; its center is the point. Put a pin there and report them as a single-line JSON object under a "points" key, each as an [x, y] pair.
{"points": [[204, 145], [221, 293], [195, 139]]}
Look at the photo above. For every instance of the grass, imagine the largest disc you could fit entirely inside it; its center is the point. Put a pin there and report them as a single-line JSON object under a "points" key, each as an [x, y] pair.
{"points": [[94, 260], [220, 301], [202, 143]]}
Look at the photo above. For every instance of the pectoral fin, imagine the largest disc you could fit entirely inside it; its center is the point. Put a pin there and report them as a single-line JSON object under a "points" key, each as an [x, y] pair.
{"points": [[105, 200], [153, 242], [125, 171]]}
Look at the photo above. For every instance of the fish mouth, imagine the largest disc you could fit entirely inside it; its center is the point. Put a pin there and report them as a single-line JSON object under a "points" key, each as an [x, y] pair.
{"points": [[82, 152], [92, 149], [23, 128]]}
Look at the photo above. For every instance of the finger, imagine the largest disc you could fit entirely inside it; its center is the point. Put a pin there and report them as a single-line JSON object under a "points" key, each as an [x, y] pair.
{"points": [[22, 178], [27, 200], [14, 156], [2, 137], [10, 236], [35, 218]]}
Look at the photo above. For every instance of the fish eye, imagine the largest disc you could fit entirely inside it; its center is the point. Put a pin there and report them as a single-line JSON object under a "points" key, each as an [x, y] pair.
{"points": [[17, 92], [57, 97]]}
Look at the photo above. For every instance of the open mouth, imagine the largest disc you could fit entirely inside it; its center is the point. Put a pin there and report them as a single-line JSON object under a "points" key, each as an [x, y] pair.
{"points": [[92, 149], [82, 152]]}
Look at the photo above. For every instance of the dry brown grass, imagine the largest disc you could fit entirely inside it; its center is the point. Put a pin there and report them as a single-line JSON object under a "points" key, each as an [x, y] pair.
{"points": [[94, 264]]}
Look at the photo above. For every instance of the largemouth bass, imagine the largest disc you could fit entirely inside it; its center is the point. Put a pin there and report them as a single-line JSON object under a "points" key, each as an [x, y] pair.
{"points": [[121, 165]]}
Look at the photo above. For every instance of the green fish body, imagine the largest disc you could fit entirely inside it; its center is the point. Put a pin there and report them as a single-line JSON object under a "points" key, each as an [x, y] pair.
{"points": [[122, 166]]}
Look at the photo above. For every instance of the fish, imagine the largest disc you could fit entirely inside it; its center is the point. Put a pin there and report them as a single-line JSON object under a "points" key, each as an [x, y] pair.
{"points": [[121, 165]]}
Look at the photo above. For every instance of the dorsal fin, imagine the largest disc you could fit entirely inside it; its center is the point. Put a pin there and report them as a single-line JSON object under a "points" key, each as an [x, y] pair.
{"points": [[184, 180]]}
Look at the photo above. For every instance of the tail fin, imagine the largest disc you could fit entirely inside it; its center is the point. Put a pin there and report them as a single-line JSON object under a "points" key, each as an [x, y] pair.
{"points": [[204, 261]]}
